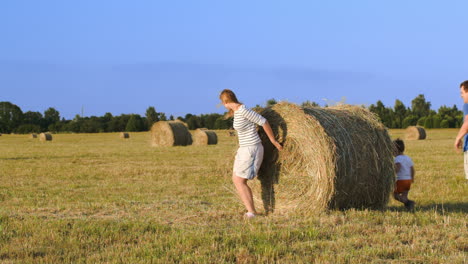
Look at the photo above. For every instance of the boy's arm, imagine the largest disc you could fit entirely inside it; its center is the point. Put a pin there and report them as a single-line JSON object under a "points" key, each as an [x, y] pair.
{"points": [[412, 174], [397, 167], [461, 133]]}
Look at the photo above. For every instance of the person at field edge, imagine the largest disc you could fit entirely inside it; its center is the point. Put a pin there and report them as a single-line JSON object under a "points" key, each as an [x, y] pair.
{"points": [[463, 132], [249, 156], [404, 168]]}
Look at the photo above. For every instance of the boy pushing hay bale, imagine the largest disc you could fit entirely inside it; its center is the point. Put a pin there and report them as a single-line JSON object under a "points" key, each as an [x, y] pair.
{"points": [[415, 133], [170, 133], [45, 137], [336, 157], [203, 136]]}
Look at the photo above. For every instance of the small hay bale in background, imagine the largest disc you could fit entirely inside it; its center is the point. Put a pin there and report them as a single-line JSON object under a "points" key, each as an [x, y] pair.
{"points": [[334, 157], [45, 137], [124, 135], [415, 133], [33, 135], [203, 136], [170, 133]]}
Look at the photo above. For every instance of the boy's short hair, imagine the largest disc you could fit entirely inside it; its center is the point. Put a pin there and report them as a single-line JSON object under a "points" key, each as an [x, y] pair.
{"points": [[464, 85], [399, 145]]}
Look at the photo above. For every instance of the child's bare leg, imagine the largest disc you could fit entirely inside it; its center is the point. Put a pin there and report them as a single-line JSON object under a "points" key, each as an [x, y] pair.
{"points": [[245, 193]]}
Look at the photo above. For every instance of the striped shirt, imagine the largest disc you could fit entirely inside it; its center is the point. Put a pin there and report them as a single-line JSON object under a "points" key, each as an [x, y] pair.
{"points": [[244, 123]]}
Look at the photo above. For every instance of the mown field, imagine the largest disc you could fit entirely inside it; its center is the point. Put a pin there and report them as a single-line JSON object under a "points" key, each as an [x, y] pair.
{"points": [[96, 198]]}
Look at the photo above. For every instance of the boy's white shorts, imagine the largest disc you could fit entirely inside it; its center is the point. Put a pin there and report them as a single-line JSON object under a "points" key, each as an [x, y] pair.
{"points": [[465, 154], [248, 160]]}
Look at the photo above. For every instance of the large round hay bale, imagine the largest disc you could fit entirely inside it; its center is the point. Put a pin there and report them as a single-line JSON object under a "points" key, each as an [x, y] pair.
{"points": [[170, 133], [182, 122], [335, 157], [203, 136], [124, 135], [33, 135], [45, 137], [415, 133]]}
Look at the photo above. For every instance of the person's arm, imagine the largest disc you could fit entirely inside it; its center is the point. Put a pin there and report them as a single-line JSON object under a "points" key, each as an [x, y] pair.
{"points": [[461, 133], [267, 128], [412, 174], [397, 167]]}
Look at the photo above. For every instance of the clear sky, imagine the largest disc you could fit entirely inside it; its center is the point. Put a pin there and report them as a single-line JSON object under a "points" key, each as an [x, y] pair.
{"points": [[123, 56]]}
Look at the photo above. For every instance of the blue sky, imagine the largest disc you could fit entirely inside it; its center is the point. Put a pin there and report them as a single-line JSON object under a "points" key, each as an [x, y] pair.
{"points": [[123, 56]]}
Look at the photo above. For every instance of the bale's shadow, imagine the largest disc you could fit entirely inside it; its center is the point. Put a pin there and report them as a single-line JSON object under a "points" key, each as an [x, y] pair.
{"points": [[270, 169], [461, 207]]}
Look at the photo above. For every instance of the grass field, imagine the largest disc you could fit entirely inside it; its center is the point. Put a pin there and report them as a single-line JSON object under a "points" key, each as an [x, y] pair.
{"points": [[96, 198]]}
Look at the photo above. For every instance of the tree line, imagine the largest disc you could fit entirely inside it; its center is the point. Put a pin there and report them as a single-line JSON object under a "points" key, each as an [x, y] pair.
{"points": [[14, 120]]}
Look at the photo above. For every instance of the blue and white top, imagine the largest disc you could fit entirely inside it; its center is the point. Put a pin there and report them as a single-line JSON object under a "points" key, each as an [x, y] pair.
{"points": [[244, 123]]}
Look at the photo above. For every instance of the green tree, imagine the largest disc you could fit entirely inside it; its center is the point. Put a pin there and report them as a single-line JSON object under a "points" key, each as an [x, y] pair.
{"points": [[28, 128], [134, 124], [11, 117], [193, 122], [436, 120], [421, 121], [222, 123], [151, 116], [400, 112], [271, 102], [51, 116], [32, 118], [384, 114], [444, 124], [209, 120], [410, 120], [428, 122], [420, 107]]}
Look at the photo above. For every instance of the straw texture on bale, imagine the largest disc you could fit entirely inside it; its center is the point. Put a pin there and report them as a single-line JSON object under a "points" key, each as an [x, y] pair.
{"points": [[45, 137], [124, 135], [203, 136], [336, 157], [170, 133], [415, 133], [33, 135]]}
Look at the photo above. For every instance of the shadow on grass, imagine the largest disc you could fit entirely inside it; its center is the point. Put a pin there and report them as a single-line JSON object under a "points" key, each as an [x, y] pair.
{"points": [[461, 207]]}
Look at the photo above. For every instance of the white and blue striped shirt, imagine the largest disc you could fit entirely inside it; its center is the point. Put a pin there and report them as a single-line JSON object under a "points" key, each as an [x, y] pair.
{"points": [[244, 123]]}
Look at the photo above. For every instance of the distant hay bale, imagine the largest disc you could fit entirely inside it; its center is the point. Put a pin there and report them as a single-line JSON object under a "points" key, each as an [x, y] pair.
{"points": [[336, 157], [124, 135], [33, 135], [170, 133], [203, 136], [415, 133], [45, 137]]}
